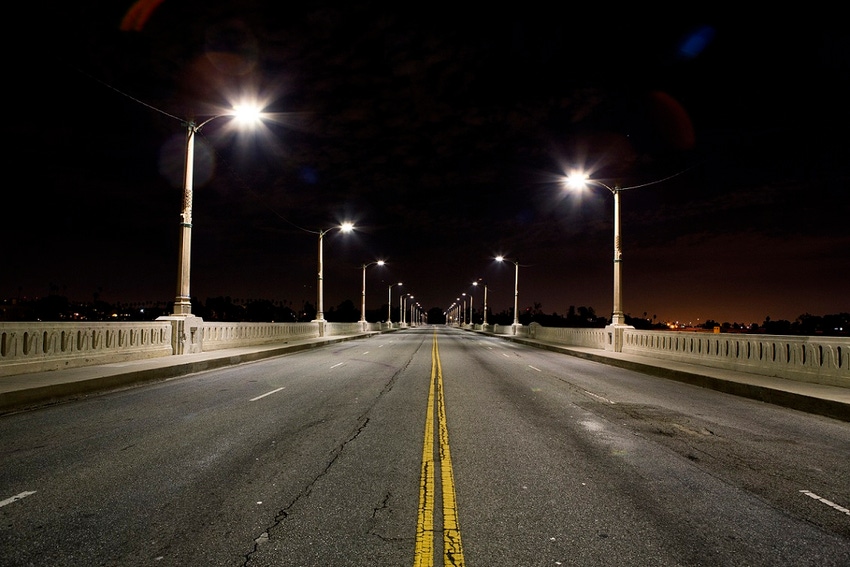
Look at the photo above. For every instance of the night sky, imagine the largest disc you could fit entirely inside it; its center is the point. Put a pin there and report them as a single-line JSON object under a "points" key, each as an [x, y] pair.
{"points": [[443, 133]]}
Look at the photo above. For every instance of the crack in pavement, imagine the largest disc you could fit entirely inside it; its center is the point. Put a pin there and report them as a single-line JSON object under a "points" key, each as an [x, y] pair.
{"points": [[264, 537]]}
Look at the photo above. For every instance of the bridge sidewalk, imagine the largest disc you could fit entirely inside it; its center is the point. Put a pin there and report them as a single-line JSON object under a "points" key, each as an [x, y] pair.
{"points": [[821, 399], [43, 388], [35, 389]]}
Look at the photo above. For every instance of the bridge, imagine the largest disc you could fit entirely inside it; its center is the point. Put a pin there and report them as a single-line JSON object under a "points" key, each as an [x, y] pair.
{"points": [[28, 348]]}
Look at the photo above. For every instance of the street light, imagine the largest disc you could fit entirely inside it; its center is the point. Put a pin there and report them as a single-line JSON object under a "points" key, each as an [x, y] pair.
{"points": [[516, 290], [390, 303], [404, 301], [363, 290], [344, 227], [469, 312], [183, 300], [484, 321], [577, 180]]}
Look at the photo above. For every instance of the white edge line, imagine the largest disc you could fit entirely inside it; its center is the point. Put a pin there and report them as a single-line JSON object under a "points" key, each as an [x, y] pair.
{"points": [[266, 394], [17, 497], [829, 503]]}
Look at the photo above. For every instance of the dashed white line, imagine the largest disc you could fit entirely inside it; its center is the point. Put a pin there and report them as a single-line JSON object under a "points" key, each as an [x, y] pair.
{"points": [[505, 355], [338, 364], [829, 503], [266, 394], [17, 497], [367, 352], [534, 368]]}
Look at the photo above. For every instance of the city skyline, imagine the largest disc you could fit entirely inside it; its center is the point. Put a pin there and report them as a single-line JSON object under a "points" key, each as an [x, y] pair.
{"points": [[445, 140]]}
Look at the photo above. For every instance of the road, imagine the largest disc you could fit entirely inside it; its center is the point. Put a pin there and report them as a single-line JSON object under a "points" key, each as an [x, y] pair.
{"points": [[428, 446]]}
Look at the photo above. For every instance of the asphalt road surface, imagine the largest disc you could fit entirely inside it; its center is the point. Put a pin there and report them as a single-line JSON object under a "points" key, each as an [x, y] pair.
{"points": [[428, 446]]}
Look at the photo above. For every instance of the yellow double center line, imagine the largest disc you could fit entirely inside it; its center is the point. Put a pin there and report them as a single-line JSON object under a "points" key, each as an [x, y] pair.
{"points": [[436, 428]]}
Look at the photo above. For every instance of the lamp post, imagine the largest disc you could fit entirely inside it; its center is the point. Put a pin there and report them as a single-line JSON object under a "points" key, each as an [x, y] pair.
{"points": [[471, 295], [363, 290], [404, 304], [183, 300], [484, 324], [320, 309], [516, 291], [579, 181], [390, 303]]}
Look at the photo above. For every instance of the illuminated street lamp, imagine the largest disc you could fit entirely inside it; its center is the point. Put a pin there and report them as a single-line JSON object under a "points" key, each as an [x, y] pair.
{"points": [[578, 180], [344, 227], [404, 308], [516, 324], [183, 300], [363, 290], [484, 322], [390, 303]]}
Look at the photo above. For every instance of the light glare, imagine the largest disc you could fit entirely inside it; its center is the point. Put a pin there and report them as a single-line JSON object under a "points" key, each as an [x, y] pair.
{"points": [[576, 180], [247, 114]]}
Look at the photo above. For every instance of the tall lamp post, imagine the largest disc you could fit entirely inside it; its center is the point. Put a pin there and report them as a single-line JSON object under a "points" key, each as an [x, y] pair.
{"points": [[320, 313], [484, 323], [404, 308], [579, 181], [390, 303], [363, 290], [183, 300], [516, 324]]}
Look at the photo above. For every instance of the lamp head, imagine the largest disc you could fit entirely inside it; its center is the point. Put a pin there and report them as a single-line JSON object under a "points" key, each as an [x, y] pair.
{"points": [[246, 113], [576, 180]]}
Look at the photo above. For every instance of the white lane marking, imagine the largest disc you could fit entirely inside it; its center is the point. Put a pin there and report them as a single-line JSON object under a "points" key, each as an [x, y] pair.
{"points": [[367, 352], [17, 497], [505, 355], [266, 394], [829, 503], [534, 368], [338, 364], [606, 400]]}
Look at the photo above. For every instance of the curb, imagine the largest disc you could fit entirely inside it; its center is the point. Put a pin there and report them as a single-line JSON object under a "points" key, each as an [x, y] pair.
{"points": [[792, 400]]}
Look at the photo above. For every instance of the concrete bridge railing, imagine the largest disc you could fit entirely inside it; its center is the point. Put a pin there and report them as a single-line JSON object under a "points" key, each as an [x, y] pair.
{"points": [[217, 336], [40, 346], [821, 360], [28, 347], [37, 347]]}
